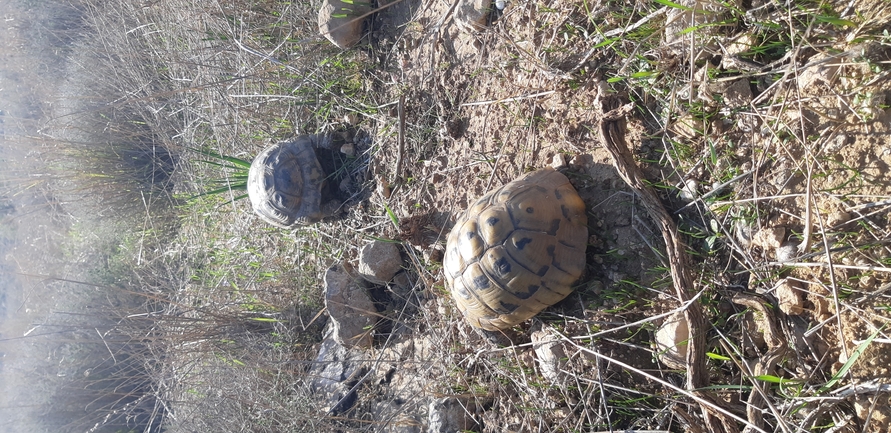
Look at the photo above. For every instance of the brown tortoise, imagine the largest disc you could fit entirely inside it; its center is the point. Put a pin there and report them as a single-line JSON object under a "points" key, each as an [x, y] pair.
{"points": [[517, 250], [286, 181]]}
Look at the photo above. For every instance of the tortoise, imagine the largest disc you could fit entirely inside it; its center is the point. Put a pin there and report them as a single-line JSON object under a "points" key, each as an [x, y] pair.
{"points": [[517, 250], [286, 182]]}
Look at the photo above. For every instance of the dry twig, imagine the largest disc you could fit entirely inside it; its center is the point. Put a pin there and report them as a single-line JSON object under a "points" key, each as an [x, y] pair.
{"points": [[611, 131]]}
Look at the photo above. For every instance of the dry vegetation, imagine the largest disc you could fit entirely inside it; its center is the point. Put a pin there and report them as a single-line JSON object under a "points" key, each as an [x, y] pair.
{"points": [[764, 126]]}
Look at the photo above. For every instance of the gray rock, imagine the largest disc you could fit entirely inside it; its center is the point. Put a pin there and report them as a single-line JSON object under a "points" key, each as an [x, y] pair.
{"points": [[392, 416], [379, 261], [549, 353], [334, 373], [352, 311], [450, 415], [339, 21], [473, 15]]}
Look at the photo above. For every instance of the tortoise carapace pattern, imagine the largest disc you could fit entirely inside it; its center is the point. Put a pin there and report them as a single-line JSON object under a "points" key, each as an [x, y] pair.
{"points": [[285, 183], [517, 250]]}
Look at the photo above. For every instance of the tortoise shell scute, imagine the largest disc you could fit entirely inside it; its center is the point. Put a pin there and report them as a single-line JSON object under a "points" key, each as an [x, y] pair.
{"points": [[517, 250], [285, 183]]}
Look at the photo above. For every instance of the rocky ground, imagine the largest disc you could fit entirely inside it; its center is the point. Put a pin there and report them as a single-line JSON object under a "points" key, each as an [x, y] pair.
{"points": [[775, 166]]}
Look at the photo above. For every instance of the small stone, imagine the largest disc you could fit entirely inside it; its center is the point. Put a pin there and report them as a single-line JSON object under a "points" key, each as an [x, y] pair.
{"points": [[740, 44], [348, 149], [558, 161], [837, 218], [549, 353], [434, 254], [583, 161], [403, 282], [671, 341], [820, 68], [769, 238], [379, 261], [878, 413], [688, 126], [789, 297], [351, 119], [689, 191], [450, 415], [383, 188], [346, 185], [744, 233]]}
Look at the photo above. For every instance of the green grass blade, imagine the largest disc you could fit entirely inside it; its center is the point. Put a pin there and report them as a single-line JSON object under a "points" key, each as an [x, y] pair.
{"points": [[392, 216], [851, 360]]}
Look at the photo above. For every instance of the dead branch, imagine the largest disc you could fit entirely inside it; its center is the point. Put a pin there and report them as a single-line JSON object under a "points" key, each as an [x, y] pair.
{"points": [[611, 130]]}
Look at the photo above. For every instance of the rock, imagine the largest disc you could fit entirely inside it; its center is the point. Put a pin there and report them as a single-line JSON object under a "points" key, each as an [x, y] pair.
{"points": [[696, 14], [351, 309], [671, 341], [449, 415], [688, 126], [744, 233], [769, 238], [689, 191], [549, 353], [558, 161], [334, 373], [339, 21], [348, 149], [837, 218], [820, 68], [473, 15], [391, 417], [789, 297], [379, 261], [737, 94]]}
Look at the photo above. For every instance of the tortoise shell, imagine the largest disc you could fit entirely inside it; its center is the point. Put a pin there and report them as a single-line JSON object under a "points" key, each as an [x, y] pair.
{"points": [[517, 250], [285, 183]]}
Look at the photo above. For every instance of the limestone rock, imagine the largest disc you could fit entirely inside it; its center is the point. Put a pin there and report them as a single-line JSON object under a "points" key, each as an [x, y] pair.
{"points": [[339, 21], [334, 373], [790, 297], [549, 353], [379, 261], [769, 238], [449, 415], [671, 341], [351, 309]]}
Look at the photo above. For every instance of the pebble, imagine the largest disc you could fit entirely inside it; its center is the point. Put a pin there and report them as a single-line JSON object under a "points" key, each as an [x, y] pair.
{"points": [[789, 297]]}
